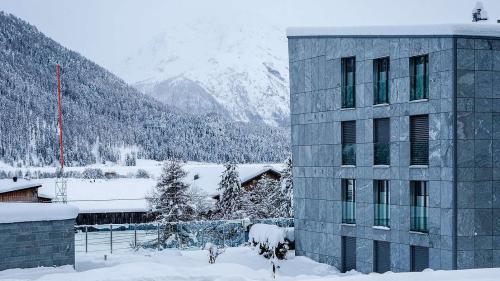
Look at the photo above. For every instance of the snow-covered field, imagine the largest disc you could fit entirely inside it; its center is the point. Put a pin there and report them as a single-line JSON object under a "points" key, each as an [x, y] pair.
{"points": [[240, 263], [128, 193]]}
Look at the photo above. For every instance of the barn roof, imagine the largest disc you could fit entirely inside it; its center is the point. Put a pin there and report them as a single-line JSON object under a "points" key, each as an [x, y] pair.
{"points": [[8, 185], [258, 174]]}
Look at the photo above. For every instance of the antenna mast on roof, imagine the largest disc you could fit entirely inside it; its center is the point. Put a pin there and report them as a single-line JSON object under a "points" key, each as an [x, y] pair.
{"points": [[61, 182], [478, 13]]}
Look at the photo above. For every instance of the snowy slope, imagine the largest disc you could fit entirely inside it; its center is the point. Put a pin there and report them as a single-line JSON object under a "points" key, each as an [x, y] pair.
{"points": [[243, 67]]}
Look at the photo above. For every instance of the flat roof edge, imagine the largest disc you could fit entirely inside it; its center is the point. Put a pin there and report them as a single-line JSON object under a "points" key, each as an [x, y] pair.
{"points": [[438, 30]]}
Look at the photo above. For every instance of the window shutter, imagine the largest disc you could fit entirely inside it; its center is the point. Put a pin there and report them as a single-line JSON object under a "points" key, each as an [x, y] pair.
{"points": [[348, 132], [419, 139], [382, 132]]}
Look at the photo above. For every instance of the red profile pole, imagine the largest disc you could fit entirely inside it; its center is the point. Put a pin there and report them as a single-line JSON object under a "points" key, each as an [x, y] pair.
{"points": [[61, 149]]}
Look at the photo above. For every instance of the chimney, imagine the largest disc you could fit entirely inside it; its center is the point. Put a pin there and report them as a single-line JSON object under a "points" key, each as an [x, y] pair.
{"points": [[14, 179]]}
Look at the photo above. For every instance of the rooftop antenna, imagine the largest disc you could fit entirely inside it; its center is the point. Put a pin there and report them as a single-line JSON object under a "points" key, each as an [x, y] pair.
{"points": [[478, 13], [61, 182]]}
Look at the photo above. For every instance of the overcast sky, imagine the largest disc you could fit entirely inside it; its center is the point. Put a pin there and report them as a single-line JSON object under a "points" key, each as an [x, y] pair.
{"points": [[104, 30]]}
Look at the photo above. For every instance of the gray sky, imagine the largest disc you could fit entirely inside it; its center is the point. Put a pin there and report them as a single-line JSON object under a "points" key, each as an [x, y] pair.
{"points": [[106, 30]]}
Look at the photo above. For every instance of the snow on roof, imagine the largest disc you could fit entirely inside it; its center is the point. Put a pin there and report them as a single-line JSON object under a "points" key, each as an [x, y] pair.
{"points": [[23, 212], [468, 29], [258, 173], [8, 185]]}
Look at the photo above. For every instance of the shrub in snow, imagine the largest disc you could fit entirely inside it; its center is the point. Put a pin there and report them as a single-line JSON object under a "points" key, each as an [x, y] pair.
{"points": [[92, 173], [213, 251], [142, 174], [270, 240]]}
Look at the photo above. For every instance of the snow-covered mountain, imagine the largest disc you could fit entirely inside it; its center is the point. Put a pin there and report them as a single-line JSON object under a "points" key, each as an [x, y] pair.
{"points": [[105, 119], [239, 70]]}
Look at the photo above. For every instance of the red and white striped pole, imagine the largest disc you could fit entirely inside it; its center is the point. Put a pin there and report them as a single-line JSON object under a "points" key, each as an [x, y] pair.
{"points": [[61, 149]]}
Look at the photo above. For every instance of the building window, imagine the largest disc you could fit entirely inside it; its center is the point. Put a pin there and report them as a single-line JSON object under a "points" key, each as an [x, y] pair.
{"points": [[381, 141], [419, 77], [381, 81], [381, 193], [349, 201], [419, 140], [418, 205], [349, 82], [349, 143], [419, 258]]}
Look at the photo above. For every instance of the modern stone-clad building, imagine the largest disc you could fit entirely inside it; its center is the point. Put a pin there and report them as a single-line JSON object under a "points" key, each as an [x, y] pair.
{"points": [[396, 146]]}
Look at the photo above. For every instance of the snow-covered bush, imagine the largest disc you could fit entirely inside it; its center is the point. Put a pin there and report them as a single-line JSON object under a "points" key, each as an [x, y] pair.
{"points": [[142, 174], [92, 173], [213, 251], [270, 240]]}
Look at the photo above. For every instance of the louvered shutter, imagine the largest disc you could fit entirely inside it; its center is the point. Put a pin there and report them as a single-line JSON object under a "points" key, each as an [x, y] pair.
{"points": [[348, 253], [382, 256], [348, 132], [419, 258], [419, 140]]}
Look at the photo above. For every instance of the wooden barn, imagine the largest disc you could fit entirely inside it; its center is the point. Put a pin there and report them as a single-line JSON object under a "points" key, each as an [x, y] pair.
{"points": [[26, 191], [250, 181]]}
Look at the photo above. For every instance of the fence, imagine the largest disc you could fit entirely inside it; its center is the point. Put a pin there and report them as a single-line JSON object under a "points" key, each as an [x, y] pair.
{"points": [[182, 235]]}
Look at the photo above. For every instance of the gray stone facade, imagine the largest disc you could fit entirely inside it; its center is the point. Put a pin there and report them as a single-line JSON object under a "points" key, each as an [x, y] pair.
{"points": [[34, 244], [464, 141]]}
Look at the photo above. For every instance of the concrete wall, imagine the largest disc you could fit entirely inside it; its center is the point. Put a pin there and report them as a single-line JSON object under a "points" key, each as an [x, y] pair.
{"points": [[478, 157], [315, 80], [33, 244]]}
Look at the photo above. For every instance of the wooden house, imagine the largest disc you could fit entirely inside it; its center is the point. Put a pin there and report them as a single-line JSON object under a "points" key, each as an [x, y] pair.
{"points": [[21, 191]]}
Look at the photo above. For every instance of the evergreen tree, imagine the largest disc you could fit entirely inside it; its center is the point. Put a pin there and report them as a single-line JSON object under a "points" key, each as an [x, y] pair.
{"points": [[286, 205], [231, 201], [170, 197], [264, 198]]}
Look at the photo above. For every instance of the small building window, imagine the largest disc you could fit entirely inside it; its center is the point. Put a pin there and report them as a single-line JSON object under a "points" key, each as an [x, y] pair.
{"points": [[418, 206], [419, 77], [419, 258], [381, 141], [381, 80], [349, 82], [382, 195], [349, 201], [349, 143], [419, 140]]}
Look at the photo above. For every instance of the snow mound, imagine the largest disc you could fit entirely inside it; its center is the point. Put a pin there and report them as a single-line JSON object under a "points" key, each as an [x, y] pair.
{"points": [[24, 212], [268, 234]]}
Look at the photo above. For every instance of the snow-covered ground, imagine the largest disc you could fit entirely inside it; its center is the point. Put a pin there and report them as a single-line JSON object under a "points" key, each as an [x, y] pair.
{"points": [[240, 263]]}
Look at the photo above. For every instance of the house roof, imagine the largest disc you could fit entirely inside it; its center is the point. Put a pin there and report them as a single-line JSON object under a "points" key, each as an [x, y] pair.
{"points": [[22, 212], [7, 185], [467, 29], [258, 174]]}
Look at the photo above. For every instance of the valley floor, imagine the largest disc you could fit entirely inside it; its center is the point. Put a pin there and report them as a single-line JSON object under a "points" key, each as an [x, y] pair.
{"points": [[239, 263]]}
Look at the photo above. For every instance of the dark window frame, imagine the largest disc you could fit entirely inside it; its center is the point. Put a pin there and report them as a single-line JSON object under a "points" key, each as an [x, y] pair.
{"points": [[348, 66], [382, 201], [419, 140], [419, 206], [379, 65], [414, 77], [381, 141], [348, 140], [348, 201]]}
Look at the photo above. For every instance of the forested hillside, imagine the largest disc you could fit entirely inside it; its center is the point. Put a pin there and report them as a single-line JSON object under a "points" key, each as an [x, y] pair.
{"points": [[103, 116]]}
